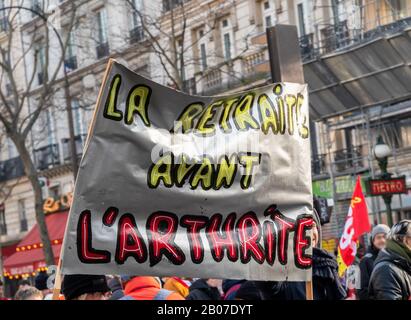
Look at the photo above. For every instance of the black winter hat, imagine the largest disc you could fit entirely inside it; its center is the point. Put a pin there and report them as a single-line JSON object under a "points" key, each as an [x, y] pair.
{"points": [[40, 282], [74, 285]]}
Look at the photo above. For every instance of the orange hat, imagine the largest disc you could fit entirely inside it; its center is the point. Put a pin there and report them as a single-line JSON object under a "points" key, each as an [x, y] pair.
{"points": [[177, 285]]}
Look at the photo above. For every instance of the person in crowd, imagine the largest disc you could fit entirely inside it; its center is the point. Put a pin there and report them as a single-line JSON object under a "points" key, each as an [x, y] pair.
{"points": [[24, 284], [2, 296], [178, 285], [116, 288], [84, 287], [255, 290], [146, 288], [230, 288], [326, 282], [205, 289], [28, 293], [391, 277], [40, 282], [377, 242]]}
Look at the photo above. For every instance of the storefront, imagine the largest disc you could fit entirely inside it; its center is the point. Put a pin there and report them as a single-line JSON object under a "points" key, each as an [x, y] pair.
{"points": [[26, 258]]}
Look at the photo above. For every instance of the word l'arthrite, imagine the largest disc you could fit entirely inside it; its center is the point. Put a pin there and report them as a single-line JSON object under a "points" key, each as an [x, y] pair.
{"points": [[234, 237]]}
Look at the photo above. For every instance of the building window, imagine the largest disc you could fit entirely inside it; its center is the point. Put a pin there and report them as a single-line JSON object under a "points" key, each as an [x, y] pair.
{"points": [[136, 32], [102, 26], [171, 4], [22, 215], [180, 57], [3, 224], [137, 8], [301, 23], [4, 23], [227, 46], [36, 7], [203, 56], [268, 14], [40, 56], [404, 126], [225, 23], [102, 37], [78, 129], [70, 62], [398, 9], [54, 191], [268, 22], [50, 126], [11, 148]]}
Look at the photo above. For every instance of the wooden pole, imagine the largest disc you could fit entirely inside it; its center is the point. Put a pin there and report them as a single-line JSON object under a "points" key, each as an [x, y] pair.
{"points": [[286, 66], [284, 54], [57, 282], [58, 279]]}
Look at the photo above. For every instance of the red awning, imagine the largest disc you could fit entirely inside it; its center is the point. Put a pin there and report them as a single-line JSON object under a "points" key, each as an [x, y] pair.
{"points": [[29, 256], [7, 251]]}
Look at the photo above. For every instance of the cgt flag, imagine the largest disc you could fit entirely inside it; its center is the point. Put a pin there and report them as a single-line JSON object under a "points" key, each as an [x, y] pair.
{"points": [[356, 224]]}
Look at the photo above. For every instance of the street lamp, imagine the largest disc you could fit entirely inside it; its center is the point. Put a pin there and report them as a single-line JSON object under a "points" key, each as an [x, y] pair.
{"points": [[381, 153]]}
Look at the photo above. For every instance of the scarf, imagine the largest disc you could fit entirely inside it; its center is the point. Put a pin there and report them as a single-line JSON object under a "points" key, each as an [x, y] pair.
{"points": [[400, 249]]}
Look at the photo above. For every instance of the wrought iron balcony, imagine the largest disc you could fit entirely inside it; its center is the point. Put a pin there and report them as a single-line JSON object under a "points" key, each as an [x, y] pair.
{"points": [[348, 159], [318, 164], [11, 169], [47, 157], [307, 46], [136, 34], [79, 140]]}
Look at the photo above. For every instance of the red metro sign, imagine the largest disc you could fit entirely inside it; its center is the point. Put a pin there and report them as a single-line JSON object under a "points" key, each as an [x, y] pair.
{"points": [[380, 187]]}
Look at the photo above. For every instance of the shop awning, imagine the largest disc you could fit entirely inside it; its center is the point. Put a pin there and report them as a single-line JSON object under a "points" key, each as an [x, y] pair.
{"points": [[7, 251], [28, 257]]}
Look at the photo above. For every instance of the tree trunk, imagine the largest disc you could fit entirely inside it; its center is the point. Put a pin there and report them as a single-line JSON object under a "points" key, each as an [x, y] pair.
{"points": [[32, 175]]}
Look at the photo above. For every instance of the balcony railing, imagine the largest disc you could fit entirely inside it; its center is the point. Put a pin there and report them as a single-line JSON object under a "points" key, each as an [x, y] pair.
{"points": [[70, 63], [212, 79], [11, 169], [47, 157], [306, 46], [340, 36], [136, 34], [102, 50], [348, 159], [79, 140]]}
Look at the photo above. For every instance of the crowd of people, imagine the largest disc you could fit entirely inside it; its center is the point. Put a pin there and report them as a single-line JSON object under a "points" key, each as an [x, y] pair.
{"points": [[385, 274]]}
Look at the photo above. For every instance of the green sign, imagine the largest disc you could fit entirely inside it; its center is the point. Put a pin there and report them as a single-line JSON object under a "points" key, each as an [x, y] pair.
{"points": [[343, 184]]}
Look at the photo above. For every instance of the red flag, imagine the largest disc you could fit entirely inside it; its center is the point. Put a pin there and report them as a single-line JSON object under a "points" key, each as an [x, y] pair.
{"points": [[356, 224]]}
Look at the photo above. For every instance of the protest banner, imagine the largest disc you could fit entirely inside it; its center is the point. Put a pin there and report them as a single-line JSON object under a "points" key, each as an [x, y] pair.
{"points": [[173, 184]]}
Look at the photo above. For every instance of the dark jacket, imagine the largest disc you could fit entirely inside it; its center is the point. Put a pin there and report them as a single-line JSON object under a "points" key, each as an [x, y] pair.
{"points": [[255, 290], [116, 289], [326, 283], [366, 267], [230, 288], [391, 277], [200, 290]]}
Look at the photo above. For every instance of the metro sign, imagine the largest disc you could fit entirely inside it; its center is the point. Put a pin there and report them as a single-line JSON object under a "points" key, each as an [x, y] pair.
{"points": [[378, 187]]}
